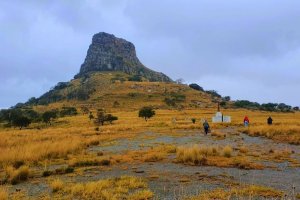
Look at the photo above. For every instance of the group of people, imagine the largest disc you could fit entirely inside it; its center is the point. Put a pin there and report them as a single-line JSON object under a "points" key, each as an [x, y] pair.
{"points": [[246, 123]]}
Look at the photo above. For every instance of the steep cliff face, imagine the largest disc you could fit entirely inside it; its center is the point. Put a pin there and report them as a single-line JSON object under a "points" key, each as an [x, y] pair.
{"points": [[109, 53]]}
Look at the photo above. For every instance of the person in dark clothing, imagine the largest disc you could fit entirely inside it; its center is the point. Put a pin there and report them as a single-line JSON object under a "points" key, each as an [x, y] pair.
{"points": [[270, 120], [206, 127]]}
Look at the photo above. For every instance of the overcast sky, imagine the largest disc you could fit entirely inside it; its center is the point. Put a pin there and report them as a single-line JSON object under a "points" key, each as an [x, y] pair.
{"points": [[246, 49]]}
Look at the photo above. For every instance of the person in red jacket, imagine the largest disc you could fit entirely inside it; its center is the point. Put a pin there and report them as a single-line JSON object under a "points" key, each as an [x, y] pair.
{"points": [[246, 121]]}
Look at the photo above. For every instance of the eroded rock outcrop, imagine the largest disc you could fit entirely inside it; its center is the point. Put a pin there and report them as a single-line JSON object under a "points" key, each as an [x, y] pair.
{"points": [[109, 53]]}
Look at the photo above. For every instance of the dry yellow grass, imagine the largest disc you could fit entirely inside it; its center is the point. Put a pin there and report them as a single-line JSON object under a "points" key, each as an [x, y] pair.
{"points": [[125, 187], [71, 135], [56, 185], [246, 192], [15, 176], [280, 132], [3, 193], [227, 151], [213, 156], [243, 149], [218, 134]]}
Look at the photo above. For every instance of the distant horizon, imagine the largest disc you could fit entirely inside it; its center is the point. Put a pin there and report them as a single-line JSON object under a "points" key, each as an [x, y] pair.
{"points": [[248, 50]]}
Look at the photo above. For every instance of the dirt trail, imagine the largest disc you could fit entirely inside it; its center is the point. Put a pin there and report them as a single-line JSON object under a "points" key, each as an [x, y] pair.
{"points": [[169, 180]]}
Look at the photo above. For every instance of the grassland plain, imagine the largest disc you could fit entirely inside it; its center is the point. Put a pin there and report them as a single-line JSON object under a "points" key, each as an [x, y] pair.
{"points": [[63, 160]]}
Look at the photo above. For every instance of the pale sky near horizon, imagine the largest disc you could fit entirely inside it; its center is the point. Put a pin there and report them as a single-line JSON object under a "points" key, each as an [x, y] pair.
{"points": [[246, 49]]}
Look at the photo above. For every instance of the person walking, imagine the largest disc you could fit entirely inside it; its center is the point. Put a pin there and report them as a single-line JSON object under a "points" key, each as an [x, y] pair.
{"points": [[206, 127], [270, 120], [246, 121]]}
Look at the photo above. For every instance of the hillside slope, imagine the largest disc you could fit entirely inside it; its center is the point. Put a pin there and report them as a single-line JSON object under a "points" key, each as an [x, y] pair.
{"points": [[110, 90]]}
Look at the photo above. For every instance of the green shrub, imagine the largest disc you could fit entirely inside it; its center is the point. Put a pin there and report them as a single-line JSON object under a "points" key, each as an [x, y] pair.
{"points": [[146, 113]]}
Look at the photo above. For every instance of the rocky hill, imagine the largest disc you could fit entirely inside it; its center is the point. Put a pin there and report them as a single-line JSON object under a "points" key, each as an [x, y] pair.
{"points": [[109, 53], [106, 80]]}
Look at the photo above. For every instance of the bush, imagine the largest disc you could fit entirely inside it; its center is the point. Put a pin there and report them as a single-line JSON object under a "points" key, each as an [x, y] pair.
{"points": [[19, 117], [110, 118], [15, 176], [227, 151], [269, 106], [47, 173], [196, 87], [193, 155], [18, 163], [136, 78], [21, 121], [194, 120], [64, 170], [102, 117], [56, 185], [61, 85], [146, 113], [246, 104], [284, 108], [213, 93], [50, 97], [226, 98], [68, 111], [170, 101], [48, 116], [31, 101], [174, 99], [223, 103], [91, 116]]}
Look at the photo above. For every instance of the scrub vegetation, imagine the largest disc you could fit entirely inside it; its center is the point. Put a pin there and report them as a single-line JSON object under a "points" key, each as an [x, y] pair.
{"points": [[68, 137]]}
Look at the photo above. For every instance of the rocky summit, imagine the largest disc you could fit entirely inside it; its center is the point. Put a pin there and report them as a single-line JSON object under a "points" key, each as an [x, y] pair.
{"points": [[109, 53]]}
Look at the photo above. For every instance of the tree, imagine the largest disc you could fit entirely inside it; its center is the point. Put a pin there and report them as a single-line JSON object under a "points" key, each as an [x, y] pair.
{"points": [[68, 111], [10, 115], [223, 103], [213, 93], [100, 117], [226, 98], [196, 87], [32, 115], [48, 116], [296, 108], [146, 113], [269, 106], [284, 108], [21, 121], [174, 99], [246, 104], [31, 101]]}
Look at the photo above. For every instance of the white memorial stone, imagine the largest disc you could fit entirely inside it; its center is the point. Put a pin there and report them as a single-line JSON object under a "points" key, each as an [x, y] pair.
{"points": [[219, 118]]}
